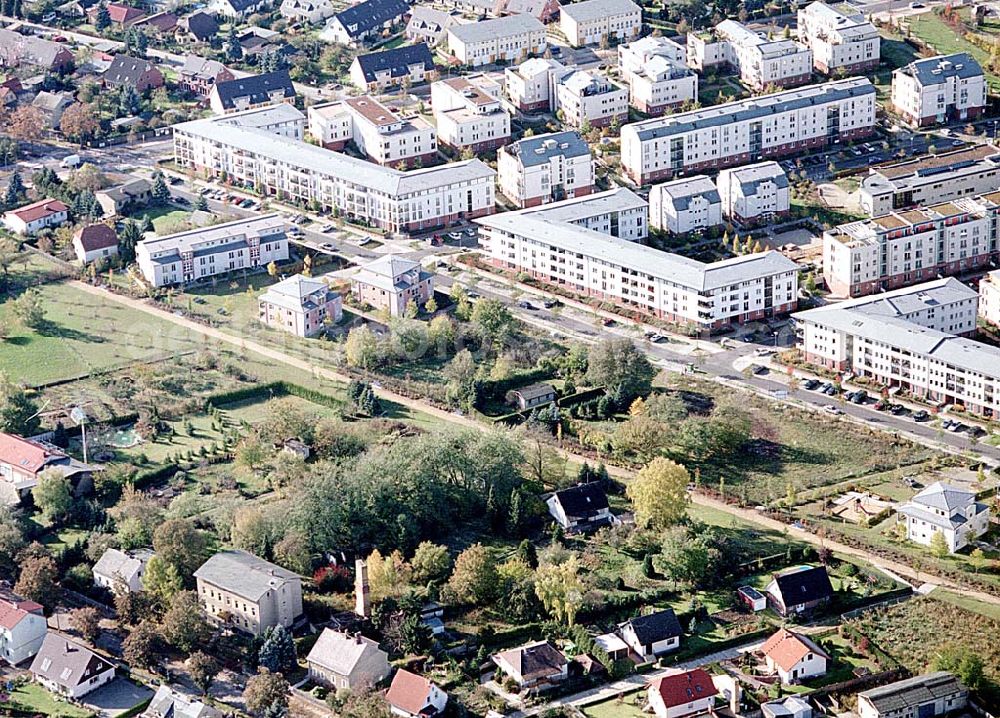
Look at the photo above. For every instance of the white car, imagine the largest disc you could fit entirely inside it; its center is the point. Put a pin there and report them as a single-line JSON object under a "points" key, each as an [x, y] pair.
{"points": [[831, 409], [455, 235]]}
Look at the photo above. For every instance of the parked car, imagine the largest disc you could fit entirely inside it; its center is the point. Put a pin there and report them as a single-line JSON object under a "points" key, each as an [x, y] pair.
{"points": [[759, 369], [327, 246], [525, 305], [327, 228], [607, 322], [897, 409], [365, 240], [457, 236], [858, 397], [920, 415], [810, 384], [831, 409]]}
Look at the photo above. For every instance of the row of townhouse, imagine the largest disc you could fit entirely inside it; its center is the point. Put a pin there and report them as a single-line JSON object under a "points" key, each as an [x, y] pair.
{"points": [[910, 339], [938, 89], [469, 114], [909, 246], [593, 21], [504, 39], [840, 40], [545, 168], [664, 285], [761, 62], [378, 132], [385, 197], [930, 179], [742, 131]]}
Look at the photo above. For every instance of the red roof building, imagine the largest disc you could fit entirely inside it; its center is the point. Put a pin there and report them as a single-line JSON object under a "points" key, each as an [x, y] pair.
{"points": [[793, 656], [413, 695], [682, 693], [120, 14], [36, 216], [22, 460], [95, 241]]}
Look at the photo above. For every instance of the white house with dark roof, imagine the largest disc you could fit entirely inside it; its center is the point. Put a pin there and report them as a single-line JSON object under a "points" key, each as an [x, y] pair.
{"points": [[68, 668], [545, 168], [171, 703], [531, 396], [589, 98], [947, 509], [580, 508], [300, 305], [247, 93], [237, 8], [116, 569], [536, 666], [390, 283], [413, 696], [376, 71], [22, 629], [688, 204], [937, 89], [311, 12], [249, 593], [653, 634], [926, 696], [591, 21], [342, 660], [364, 21], [754, 193], [799, 590]]}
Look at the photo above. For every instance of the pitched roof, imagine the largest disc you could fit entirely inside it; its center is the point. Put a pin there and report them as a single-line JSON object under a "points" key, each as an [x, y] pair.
{"points": [[169, 703], [396, 61], [787, 648], [257, 87], [15, 47], [803, 584], [598, 9], [11, 614], [340, 652], [66, 663], [125, 70], [429, 22], [122, 13], [38, 210], [200, 24], [120, 564], [297, 293], [162, 21], [51, 101], [244, 574], [96, 236], [913, 692], [679, 193], [497, 27], [656, 626], [368, 15], [202, 68], [787, 707], [582, 500], [409, 692], [534, 660], [678, 688], [946, 497]]}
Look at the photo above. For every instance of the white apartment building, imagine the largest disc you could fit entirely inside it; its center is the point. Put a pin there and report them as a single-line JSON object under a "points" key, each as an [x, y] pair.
{"points": [[244, 244], [377, 131], [531, 86], [660, 85], [469, 114], [391, 283], [357, 190], [946, 509], [685, 205], [633, 56], [909, 339], [910, 246], [754, 193], [928, 180], [761, 62], [503, 39], [839, 42], [938, 89], [617, 212], [735, 133], [545, 168], [663, 285], [591, 21], [300, 305], [588, 98], [989, 298]]}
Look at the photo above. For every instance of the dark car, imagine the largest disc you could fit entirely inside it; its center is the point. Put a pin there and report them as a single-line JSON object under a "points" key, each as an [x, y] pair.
{"points": [[810, 384], [859, 397], [897, 409], [921, 415]]}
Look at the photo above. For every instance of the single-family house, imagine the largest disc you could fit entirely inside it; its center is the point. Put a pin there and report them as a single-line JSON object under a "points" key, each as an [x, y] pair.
{"points": [[413, 696], [924, 696], [124, 197], [947, 509], [247, 93], [22, 628], [310, 12], [682, 693], [52, 105], [199, 75], [121, 15], [249, 593], [162, 23], [787, 707], [377, 71], [800, 589], [390, 283], [256, 40], [17, 50], [580, 508], [171, 703], [534, 667], [528, 397], [365, 21], [68, 668], [300, 305], [36, 216], [199, 26], [125, 70], [117, 569], [23, 460], [237, 8], [794, 657], [652, 635], [94, 242], [429, 25], [342, 660]]}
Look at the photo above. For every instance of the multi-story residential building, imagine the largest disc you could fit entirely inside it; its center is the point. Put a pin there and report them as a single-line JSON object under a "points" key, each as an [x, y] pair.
{"points": [[390, 283], [430, 25], [754, 193], [244, 244], [377, 71], [633, 56], [377, 131], [594, 21], [989, 298], [661, 84], [685, 205], [531, 86], [588, 98], [617, 212], [946, 509], [909, 339], [365, 21], [761, 62], [383, 197], [755, 128], [300, 305], [503, 39], [932, 179], [469, 114], [247, 93], [545, 168], [22, 628], [663, 285], [937, 89], [910, 246], [199, 75], [36, 216], [840, 40], [249, 593]]}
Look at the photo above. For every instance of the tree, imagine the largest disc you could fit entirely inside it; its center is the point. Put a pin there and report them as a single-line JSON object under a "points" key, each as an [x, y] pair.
{"points": [[26, 123], [264, 690], [38, 578], [361, 348], [102, 19], [292, 552], [79, 122], [659, 493], [623, 370], [493, 321], [142, 645], [201, 205], [87, 622], [29, 309], [160, 191], [53, 495], [203, 669], [430, 562], [964, 662], [129, 236], [939, 545], [473, 580], [161, 580], [18, 412], [14, 194], [461, 372], [130, 606], [233, 49], [978, 559], [178, 542], [184, 624], [11, 537], [277, 652], [560, 590]]}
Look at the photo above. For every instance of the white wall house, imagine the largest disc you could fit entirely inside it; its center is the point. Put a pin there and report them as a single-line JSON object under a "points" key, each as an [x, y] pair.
{"points": [[300, 305], [117, 569], [391, 283], [685, 205], [989, 298], [794, 657], [22, 629], [382, 135], [653, 634], [34, 217], [927, 696], [943, 508], [661, 84], [535, 666], [545, 168], [754, 193], [504, 39], [413, 696], [469, 114], [593, 21], [682, 693], [69, 668], [938, 89], [761, 62], [617, 212], [840, 41], [633, 56], [347, 662], [531, 86], [588, 98]]}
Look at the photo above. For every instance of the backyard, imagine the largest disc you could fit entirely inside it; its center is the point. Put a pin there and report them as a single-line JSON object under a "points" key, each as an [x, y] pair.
{"points": [[34, 699], [946, 39]]}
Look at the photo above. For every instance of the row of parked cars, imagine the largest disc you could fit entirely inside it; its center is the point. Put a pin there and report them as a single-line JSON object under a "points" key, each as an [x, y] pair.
{"points": [[220, 195]]}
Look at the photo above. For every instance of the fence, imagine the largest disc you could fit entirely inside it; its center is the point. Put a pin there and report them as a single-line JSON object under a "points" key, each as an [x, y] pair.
{"points": [[132, 138]]}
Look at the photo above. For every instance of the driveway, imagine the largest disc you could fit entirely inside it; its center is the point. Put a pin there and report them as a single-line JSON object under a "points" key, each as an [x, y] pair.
{"points": [[117, 697]]}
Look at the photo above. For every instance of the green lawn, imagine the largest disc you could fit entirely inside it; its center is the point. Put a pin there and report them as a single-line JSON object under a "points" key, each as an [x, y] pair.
{"points": [[989, 610], [933, 30], [628, 707], [166, 220], [32, 698]]}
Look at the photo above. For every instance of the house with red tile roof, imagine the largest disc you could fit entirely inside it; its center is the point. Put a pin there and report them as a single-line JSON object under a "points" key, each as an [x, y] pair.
{"points": [[413, 696], [22, 629], [682, 693], [36, 216], [95, 241], [793, 656], [23, 460], [121, 15]]}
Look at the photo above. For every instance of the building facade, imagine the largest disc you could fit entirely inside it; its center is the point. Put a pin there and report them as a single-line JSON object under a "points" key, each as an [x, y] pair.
{"points": [[689, 204], [942, 508], [661, 84], [588, 98], [594, 21], [760, 62], [989, 298], [300, 305], [390, 284], [754, 193], [839, 41], [504, 39], [545, 168], [469, 114], [377, 71], [531, 86], [933, 90], [35, 217], [384, 137]]}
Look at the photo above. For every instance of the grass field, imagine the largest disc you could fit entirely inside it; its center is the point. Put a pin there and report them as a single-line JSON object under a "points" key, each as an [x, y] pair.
{"points": [[933, 30], [989, 610], [629, 706], [32, 698]]}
